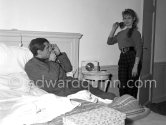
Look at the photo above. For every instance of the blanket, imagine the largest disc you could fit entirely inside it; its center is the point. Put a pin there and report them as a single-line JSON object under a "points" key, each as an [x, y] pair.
{"points": [[21, 102]]}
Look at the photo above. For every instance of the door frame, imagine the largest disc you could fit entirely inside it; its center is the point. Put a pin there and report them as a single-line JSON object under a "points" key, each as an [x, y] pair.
{"points": [[150, 74]]}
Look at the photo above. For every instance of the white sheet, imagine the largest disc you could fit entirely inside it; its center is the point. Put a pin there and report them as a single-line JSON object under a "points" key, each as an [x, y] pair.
{"points": [[22, 103], [86, 95]]}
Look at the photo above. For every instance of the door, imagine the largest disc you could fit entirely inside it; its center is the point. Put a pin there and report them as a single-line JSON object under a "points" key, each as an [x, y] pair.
{"points": [[148, 34]]}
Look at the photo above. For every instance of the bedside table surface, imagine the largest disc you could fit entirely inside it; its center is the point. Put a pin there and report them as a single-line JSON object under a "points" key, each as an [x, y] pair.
{"points": [[98, 73]]}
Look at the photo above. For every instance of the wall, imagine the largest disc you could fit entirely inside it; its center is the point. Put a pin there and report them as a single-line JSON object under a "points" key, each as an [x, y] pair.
{"points": [[160, 37], [158, 92], [92, 18]]}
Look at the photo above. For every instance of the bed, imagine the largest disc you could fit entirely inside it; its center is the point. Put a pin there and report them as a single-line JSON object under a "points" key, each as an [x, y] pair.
{"points": [[68, 42], [17, 94]]}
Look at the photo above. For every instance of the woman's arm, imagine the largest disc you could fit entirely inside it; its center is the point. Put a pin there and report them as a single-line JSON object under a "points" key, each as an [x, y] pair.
{"points": [[111, 38], [138, 46]]}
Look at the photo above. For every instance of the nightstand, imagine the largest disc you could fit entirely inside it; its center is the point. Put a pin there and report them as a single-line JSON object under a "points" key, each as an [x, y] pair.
{"points": [[100, 79]]}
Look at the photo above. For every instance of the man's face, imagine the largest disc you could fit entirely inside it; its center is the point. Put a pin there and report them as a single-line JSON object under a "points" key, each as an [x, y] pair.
{"points": [[45, 54]]}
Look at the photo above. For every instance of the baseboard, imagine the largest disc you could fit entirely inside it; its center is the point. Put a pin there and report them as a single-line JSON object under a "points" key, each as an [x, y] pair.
{"points": [[113, 69], [158, 74], [159, 99]]}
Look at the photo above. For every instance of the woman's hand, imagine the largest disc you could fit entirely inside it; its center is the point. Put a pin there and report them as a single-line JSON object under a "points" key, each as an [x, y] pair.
{"points": [[135, 70], [115, 26]]}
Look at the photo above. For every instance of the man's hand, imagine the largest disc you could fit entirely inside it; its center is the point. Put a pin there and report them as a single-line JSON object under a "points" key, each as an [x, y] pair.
{"points": [[56, 49], [52, 56]]}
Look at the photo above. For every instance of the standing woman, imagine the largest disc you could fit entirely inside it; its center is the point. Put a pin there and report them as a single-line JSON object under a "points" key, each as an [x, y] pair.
{"points": [[130, 45]]}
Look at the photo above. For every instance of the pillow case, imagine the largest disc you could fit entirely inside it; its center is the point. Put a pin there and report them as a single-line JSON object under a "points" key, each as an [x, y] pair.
{"points": [[13, 58], [17, 84]]}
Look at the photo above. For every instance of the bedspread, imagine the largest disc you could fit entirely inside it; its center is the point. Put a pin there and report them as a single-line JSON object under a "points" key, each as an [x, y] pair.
{"points": [[85, 106]]}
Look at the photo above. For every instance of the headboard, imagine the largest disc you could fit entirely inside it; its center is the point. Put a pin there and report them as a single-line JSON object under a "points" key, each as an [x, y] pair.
{"points": [[67, 42]]}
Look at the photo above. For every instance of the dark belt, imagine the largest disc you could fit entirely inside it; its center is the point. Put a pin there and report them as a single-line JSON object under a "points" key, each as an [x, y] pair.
{"points": [[126, 49]]}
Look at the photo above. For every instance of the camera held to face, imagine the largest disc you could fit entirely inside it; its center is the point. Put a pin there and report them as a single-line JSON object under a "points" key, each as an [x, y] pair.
{"points": [[51, 46], [121, 24]]}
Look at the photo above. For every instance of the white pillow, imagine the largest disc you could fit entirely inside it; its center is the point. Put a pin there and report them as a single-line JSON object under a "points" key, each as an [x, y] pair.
{"points": [[13, 58]]}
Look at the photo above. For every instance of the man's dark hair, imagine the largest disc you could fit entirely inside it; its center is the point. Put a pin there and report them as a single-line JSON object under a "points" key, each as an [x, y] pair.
{"points": [[37, 44]]}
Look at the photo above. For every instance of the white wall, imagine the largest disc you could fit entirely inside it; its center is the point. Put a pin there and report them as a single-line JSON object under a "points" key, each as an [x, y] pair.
{"points": [[160, 37], [92, 18]]}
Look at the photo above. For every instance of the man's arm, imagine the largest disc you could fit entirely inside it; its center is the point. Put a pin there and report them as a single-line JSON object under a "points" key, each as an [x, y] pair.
{"points": [[61, 58], [64, 62]]}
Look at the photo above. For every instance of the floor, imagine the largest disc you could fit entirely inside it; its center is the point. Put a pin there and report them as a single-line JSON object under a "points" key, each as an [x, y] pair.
{"points": [[159, 108], [152, 119]]}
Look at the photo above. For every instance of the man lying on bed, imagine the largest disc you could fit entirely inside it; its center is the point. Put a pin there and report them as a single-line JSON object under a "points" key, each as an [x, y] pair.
{"points": [[48, 68]]}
